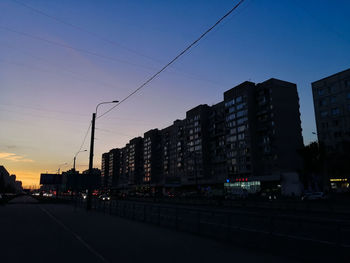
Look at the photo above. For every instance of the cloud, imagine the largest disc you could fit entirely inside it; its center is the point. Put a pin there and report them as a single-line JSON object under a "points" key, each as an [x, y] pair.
{"points": [[14, 157]]}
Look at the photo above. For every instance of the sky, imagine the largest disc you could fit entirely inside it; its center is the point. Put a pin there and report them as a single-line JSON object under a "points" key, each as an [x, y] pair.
{"points": [[59, 59]]}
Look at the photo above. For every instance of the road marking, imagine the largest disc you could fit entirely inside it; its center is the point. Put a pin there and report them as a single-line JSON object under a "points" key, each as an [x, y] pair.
{"points": [[93, 251]]}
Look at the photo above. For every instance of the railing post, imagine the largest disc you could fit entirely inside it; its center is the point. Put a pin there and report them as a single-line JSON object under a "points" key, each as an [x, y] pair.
{"points": [[199, 222], [176, 219], [158, 215], [339, 237], [228, 227]]}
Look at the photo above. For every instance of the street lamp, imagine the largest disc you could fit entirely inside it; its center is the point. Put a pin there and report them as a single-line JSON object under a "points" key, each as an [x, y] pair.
{"points": [[59, 167], [75, 157], [88, 201], [58, 172]]}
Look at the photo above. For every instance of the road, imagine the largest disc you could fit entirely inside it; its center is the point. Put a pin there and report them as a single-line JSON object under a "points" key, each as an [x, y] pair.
{"points": [[62, 233]]}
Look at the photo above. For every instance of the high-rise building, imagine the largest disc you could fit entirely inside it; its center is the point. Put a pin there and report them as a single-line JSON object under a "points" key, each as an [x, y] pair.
{"points": [[152, 157], [331, 97], [114, 168], [104, 169], [197, 146], [135, 161], [240, 120], [279, 133], [217, 150], [173, 154], [248, 141]]}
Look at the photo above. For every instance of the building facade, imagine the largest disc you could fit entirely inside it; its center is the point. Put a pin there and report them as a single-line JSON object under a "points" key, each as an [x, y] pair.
{"points": [[104, 170], [152, 158], [247, 141], [331, 97]]}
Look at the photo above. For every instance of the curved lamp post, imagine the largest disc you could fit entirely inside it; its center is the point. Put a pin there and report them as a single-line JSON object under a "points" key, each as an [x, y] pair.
{"points": [[88, 201], [75, 157], [59, 167]]}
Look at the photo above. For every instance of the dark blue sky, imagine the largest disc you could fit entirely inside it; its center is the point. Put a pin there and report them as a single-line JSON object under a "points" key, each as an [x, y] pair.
{"points": [[51, 90]]}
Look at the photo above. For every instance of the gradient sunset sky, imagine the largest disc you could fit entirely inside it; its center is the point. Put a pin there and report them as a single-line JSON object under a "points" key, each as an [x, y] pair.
{"points": [[53, 72]]}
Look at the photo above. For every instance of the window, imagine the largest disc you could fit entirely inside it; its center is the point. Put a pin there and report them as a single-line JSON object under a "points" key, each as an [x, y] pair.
{"points": [[239, 99], [348, 95], [241, 113], [324, 114], [229, 103], [320, 92], [232, 138], [233, 131], [333, 99], [241, 136], [347, 83], [335, 111], [198, 148], [322, 102], [231, 117], [241, 128], [231, 109], [241, 120], [231, 124], [332, 88], [240, 106]]}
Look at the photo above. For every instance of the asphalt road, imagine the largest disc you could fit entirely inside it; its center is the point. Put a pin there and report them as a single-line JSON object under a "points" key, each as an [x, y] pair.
{"points": [[61, 233]]}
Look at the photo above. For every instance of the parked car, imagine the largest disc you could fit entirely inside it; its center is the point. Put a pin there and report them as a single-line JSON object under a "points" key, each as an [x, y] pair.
{"points": [[104, 197]]}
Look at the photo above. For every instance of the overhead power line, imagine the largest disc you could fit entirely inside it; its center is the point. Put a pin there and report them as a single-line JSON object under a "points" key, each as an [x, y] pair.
{"points": [[72, 47], [86, 134], [174, 59], [82, 29], [110, 41], [92, 53]]}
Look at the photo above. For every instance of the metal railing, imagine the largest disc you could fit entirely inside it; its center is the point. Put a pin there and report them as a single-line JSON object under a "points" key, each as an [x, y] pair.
{"points": [[227, 224]]}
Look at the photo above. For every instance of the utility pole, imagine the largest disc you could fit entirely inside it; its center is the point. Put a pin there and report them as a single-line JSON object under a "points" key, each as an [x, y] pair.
{"points": [[74, 163], [91, 160]]}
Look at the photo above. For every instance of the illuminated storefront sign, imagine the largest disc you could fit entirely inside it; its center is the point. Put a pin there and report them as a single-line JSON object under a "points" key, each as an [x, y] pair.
{"points": [[251, 187], [338, 179]]}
